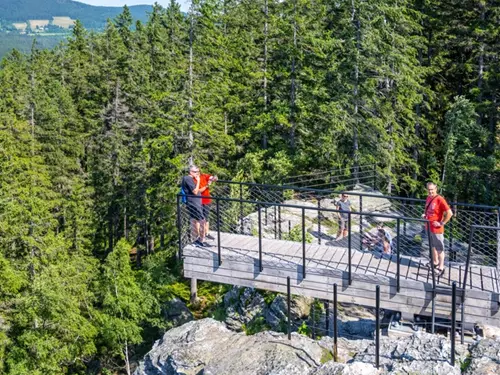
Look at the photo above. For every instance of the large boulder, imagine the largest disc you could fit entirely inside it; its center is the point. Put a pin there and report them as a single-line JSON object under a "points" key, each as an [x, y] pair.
{"points": [[209, 347]]}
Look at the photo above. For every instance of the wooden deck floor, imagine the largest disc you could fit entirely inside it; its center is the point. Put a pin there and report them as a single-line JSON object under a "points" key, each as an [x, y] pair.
{"points": [[328, 264]]}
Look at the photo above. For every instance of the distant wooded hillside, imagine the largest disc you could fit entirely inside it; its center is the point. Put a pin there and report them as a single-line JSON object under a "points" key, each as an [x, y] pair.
{"points": [[90, 16]]}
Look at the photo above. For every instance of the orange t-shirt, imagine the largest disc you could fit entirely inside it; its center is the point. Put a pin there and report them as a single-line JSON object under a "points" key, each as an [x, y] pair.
{"points": [[435, 212], [204, 178]]}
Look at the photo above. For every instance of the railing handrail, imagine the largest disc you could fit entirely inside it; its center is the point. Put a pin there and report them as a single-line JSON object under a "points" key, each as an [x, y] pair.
{"points": [[351, 192], [323, 172]]}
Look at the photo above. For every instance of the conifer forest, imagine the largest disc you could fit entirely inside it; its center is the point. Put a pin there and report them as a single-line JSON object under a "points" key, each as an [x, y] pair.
{"points": [[96, 133]]}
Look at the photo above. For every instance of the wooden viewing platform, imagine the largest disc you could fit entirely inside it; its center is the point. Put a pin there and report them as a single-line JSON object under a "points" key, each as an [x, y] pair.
{"points": [[327, 265]]}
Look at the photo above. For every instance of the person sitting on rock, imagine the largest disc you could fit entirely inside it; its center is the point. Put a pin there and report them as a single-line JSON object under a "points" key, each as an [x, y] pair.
{"points": [[381, 243]]}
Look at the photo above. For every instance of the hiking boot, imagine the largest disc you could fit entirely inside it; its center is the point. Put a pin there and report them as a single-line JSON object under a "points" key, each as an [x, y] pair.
{"points": [[198, 243]]}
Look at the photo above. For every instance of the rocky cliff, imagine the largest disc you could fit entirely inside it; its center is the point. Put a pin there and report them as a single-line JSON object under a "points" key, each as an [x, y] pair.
{"points": [[208, 347]]}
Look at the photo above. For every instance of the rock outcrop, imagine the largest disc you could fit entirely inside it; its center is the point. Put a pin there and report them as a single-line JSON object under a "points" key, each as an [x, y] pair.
{"points": [[484, 358], [208, 347]]}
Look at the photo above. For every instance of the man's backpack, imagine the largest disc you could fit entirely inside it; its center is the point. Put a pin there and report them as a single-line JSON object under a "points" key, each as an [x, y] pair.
{"points": [[183, 195]]}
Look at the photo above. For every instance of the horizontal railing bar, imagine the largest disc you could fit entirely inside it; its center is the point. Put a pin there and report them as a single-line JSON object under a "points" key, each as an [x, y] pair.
{"points": [[322, 209], [329, 171], [485, 227], [332, 183], [361, 175], [330, 191]]}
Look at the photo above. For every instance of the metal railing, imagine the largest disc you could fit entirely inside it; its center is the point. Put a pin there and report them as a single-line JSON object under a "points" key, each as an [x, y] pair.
{"points": [[336, 178], [481, 236], [377, 327], [456, 234], [228, 218]]}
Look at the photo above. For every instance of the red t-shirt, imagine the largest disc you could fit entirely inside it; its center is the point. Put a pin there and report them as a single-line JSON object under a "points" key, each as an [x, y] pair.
{"points": [[204, 178], [435, 211]]}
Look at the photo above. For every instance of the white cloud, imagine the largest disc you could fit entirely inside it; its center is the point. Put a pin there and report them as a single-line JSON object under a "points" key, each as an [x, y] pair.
{"points": [[119, 3]]}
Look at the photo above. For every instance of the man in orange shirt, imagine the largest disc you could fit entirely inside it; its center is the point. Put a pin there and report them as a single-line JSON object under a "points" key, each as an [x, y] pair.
{"points": [[205, 182], [438, 212]]}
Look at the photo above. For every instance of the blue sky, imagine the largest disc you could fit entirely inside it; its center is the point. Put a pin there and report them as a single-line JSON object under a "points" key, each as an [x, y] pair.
{"points": [[120, 3]]}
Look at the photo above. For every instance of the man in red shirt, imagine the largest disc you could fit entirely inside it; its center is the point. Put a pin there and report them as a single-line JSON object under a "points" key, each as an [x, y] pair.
{"points": [[438, 212], [205, 182]]}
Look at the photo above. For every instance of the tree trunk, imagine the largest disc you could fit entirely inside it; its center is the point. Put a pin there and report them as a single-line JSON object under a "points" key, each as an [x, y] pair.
{"points": [[266, 31], [127, 361], [355, 136], [293, 87], [190, 86]]}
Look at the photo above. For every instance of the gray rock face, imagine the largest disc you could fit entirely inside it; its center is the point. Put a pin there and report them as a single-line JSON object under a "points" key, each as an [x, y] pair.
{"points": [[177, 313], [418, 354], [355, 368], [485, 358], [242, 306], [208, 347]]}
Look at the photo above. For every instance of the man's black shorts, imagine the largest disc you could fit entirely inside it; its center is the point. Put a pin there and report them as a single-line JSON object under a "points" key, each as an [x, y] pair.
{"points": [[195, 211], [206, 211]]}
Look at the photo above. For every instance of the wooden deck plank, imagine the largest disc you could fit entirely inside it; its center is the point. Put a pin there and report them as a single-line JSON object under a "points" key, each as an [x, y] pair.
{"points": [[324, 261]]}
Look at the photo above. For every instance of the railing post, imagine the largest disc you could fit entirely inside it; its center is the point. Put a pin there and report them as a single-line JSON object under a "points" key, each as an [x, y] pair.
{"points": [[360, 223], [241, 208], [453, 255], [313, 308], [260, 238], [335, 326], [279, 222], [349, 246], [462, 318], [327, 318], [453, 320], [398, 256], [377, 327], [275, 223], [431, 254], [303, 242], [179, 227], [288, 292], [467, 263], [217, 211], [374, 177], [319, 220], [265, 215]]}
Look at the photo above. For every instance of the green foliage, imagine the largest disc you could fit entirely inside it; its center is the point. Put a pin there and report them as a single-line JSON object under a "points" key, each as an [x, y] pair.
{"points": [[295, 234], [219, 313], [256, 325], [124, 305], [304, 329], [465, 364], [288, 194], [268, 296], [326, 356]]}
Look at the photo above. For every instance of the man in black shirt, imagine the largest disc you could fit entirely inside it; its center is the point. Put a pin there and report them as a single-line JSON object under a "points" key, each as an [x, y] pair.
{"points": [[191, 186]]}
